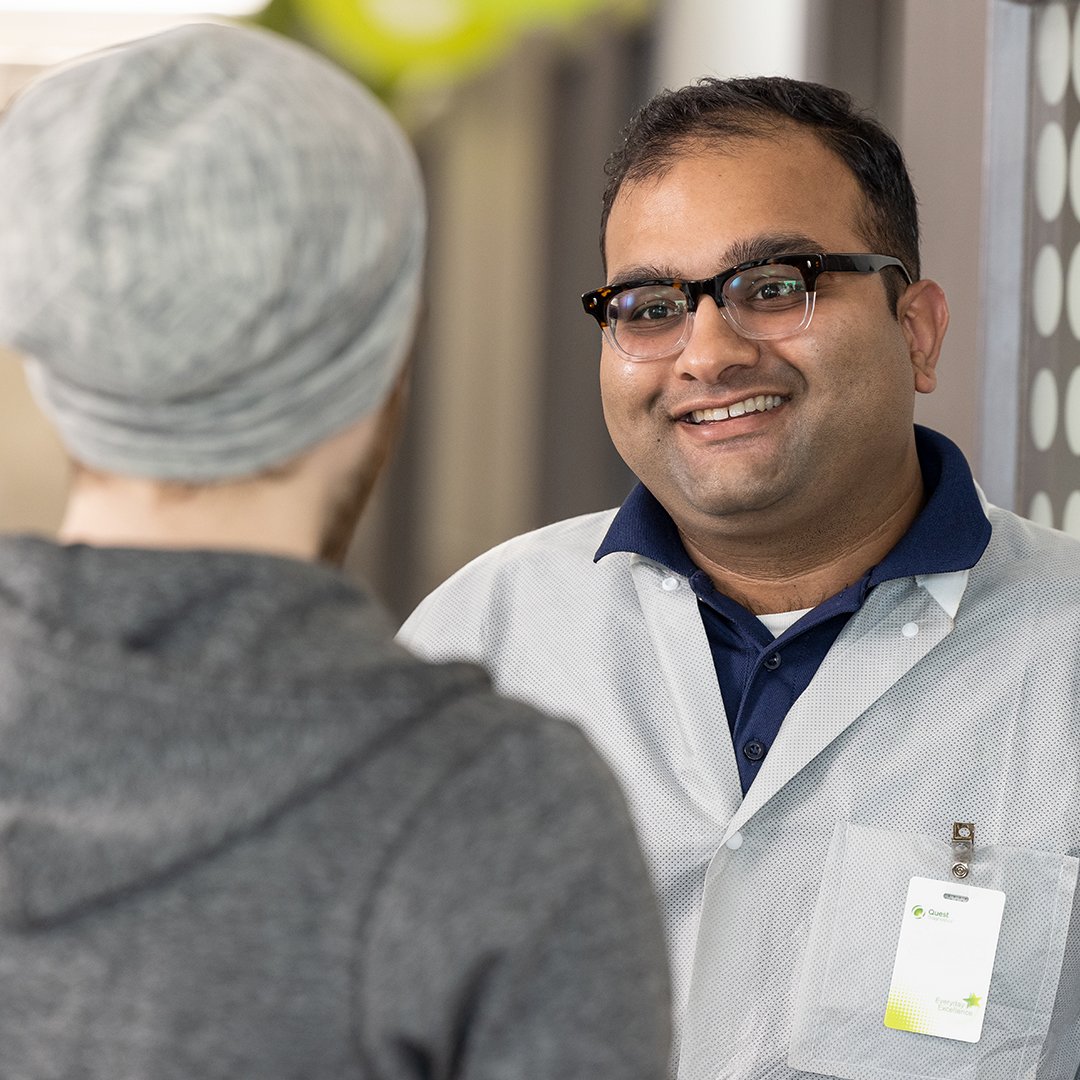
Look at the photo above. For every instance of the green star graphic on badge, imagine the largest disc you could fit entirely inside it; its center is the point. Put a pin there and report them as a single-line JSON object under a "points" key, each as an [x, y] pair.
{"points": [[972, 1000]]}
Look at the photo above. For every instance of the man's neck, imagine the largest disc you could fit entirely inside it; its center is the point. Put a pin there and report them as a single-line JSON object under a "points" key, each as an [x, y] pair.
{"points": [[130, 512], [770, 572], [305, 508]]}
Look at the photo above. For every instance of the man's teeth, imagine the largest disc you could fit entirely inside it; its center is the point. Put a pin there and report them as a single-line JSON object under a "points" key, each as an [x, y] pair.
{"points": [[761, 403]]}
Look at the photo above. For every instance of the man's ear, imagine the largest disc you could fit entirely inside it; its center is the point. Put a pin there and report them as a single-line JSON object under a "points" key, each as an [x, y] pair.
{"points": [[923, 314]]}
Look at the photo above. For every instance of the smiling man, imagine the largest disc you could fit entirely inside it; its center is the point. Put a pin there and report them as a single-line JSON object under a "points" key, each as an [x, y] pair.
{"points": [[804, 641]]}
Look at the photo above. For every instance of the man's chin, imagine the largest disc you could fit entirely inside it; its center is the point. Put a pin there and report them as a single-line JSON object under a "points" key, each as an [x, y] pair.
{"points": [[732, 495]]}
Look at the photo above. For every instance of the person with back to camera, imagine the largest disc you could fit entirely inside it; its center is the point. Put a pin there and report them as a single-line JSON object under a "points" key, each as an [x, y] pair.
{"points": [[839, 688], [242, 833]]}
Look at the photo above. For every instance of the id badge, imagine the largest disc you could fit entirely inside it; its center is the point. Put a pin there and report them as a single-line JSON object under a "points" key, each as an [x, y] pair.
{"points": [[944, 959]]}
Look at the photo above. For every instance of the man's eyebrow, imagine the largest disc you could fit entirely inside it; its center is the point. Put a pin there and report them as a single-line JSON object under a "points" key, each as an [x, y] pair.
{"points": [[764, 246], [644, 272]]}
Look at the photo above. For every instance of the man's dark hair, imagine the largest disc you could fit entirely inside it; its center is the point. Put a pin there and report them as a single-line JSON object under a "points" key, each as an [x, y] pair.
{"points": [[722, 110]]}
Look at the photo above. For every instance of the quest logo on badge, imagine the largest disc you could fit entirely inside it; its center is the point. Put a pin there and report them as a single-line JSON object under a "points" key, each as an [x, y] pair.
{"points": [[944, 959]]}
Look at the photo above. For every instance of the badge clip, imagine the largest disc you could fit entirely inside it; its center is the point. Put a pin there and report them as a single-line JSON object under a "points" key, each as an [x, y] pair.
{"points": [[963, 846]]}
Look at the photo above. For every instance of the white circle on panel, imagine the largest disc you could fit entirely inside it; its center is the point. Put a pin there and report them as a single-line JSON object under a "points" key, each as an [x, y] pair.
{"points": [[1072, 412], [1047, 290], [1074, 168], [1070, 520], [1041, 510], [1072, 293], [1076, 57], [1051, 171], [1052, 52], [1044, 409]]}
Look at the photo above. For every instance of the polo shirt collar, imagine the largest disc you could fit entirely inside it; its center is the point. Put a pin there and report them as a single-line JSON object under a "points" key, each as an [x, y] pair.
{"points": [[946, 539]]}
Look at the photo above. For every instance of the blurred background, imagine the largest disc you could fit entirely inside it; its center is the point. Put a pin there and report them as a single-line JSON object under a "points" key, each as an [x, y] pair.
{"points": [[514, 105]]}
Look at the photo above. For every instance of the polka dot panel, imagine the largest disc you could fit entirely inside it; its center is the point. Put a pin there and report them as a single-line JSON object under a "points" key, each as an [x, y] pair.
{"points": [[1049, 451], [1041, 509], [1052, 40], [1051, 171]]}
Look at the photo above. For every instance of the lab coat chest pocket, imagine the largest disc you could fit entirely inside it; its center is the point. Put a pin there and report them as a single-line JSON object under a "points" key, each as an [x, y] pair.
{"points": [[838, 1022]]}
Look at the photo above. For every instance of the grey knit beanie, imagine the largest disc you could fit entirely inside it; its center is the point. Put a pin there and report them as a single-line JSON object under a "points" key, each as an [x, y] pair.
{"points": [[211, 243]]}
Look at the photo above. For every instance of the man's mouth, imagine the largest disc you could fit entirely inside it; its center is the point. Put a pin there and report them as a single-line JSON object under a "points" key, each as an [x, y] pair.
{"points": [[760, 403]]}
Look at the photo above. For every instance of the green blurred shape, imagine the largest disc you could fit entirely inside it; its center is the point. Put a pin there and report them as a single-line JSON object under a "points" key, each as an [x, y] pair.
{"points": [[388, 42]]}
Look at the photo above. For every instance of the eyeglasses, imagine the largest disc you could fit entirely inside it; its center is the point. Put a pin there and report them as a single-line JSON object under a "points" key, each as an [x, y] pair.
{"points": [[761, 299]]}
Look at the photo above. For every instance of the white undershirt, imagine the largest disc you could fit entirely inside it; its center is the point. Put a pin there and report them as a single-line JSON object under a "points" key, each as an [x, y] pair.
{"points": [[777, 623]]}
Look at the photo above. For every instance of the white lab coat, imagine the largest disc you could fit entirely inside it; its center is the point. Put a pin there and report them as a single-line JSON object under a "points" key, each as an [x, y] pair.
{"points": [[951, 697]]}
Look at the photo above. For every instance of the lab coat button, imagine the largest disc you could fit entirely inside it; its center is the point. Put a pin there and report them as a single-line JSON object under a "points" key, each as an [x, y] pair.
{"points": [[734, 841], [669, 584], [909, 630], [754, 750]]}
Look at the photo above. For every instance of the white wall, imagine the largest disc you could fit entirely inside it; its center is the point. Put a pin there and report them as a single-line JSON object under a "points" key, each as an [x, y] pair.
{"points": [[733, 37]]}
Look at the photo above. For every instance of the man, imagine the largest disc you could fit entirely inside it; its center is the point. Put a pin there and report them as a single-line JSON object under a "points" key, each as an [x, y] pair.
{"points": [[243, 834], [811, 651]]}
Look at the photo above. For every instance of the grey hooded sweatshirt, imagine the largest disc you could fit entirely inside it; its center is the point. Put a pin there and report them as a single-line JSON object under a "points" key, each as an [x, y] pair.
{"points": [[244, 835]]}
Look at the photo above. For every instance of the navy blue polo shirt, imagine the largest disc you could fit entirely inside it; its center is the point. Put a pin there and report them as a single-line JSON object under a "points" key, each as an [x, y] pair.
{"points": [[761, 676]]}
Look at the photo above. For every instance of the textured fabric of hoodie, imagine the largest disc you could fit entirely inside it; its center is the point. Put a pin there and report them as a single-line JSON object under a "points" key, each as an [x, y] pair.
{"points": [[244, 835]]}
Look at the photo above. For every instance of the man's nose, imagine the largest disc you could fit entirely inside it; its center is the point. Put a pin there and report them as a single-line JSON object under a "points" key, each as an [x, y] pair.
{"points": [[714, 345]]}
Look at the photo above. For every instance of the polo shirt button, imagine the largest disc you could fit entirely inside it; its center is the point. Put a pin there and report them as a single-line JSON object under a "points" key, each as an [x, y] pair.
{"points": [[734, 841], [669, 584], [772, 662], [909, 630], [754, 750]]}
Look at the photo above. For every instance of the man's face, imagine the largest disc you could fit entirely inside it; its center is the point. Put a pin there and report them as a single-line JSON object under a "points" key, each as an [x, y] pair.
{"points": [[842, 430]]}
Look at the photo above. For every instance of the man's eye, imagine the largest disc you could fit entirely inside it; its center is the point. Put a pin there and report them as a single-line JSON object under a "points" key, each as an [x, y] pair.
{"points": [[774, 289], [655, 311], [766, 289], [649, 307]]}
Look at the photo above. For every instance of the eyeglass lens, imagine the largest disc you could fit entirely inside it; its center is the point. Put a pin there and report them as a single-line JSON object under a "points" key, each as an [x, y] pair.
{"points": [[649, 321]]}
